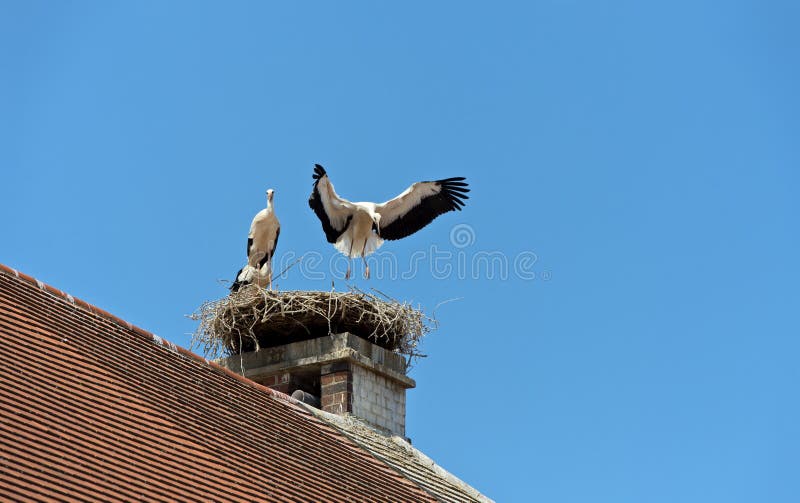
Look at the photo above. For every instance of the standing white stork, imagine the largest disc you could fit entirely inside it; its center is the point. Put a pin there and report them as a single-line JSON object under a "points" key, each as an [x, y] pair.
{"points": [[358, 229], [261, 244]]}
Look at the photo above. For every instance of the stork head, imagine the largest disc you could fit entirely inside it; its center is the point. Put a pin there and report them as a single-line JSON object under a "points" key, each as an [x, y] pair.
{"points": [[270, 194], [376, 223]]}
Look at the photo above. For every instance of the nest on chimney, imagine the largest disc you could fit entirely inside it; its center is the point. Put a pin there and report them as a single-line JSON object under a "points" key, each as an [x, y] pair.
{"points": [[254, 318]]}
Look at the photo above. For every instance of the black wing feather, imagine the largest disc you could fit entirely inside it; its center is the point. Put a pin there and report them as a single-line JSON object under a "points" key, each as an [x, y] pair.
{"points": [[450, 198], [315, 203], [236, 283]]}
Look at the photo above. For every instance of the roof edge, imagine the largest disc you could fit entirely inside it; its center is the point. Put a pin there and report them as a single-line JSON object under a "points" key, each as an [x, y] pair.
{"points": [[153, 338], [402, 442]]}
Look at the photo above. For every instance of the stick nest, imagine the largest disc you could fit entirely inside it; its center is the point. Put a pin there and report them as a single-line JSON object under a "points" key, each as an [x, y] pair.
{"points": [[253, 318]]}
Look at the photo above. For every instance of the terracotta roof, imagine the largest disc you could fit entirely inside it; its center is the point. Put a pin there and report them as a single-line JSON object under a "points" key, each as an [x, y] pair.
{"points": [[403, 457], [95, 409]]}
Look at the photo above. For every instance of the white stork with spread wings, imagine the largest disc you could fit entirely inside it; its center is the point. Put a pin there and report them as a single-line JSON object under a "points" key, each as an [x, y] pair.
{"points": [[261, 244], [358, 229]]}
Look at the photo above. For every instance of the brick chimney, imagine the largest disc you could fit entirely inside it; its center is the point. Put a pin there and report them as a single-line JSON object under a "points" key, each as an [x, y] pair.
{"points": [[341, 373]]}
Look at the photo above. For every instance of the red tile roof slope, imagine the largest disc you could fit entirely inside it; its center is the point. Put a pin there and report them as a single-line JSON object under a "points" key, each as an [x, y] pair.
{"points": [[94, 409]]}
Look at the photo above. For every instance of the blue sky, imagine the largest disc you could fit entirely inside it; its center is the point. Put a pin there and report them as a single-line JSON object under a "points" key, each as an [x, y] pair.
{"points": [[645, 154]]}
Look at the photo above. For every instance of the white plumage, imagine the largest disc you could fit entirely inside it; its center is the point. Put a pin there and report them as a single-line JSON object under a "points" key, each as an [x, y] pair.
{"points": [[261, 244], [358, 229]]}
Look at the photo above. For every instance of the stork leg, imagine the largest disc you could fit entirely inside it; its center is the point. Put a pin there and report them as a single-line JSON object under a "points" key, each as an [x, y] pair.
{"points": [[349, 261], [364, 258]]}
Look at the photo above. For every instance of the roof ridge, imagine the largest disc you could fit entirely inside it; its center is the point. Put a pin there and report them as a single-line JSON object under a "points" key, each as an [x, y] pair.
{"points": [[152, 337]]}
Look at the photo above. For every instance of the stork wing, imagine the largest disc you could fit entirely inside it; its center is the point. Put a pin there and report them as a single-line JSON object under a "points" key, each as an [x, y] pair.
{"points": [[333, 211], [419, 205], [243, 277], [275, 244], [271, 252]]}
